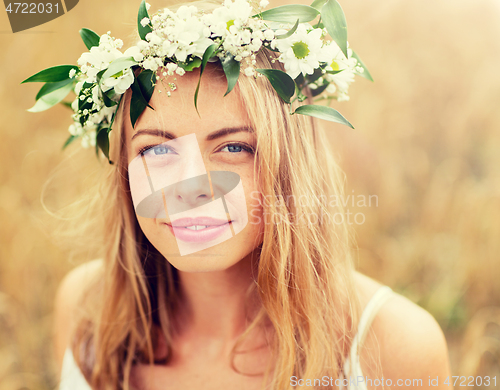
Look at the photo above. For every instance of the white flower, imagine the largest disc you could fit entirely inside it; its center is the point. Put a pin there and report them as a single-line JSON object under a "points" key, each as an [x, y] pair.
{"points": [[89, 139], [105, 113], [74, 105], [256, 44], [171, 68], [269, 34], [258, 34], [143, 45], [144, 22], [95, 94], [263, 3], [78, 87], [76, 129], [331, 89], [335, 58], [153, 38], [152, 63], [231, 14], [119, 83], [135, 53], [302, 51], [184, 35], [72, 73], [341, 80], [99, 57], [249, 71], [180, 71], [346, 68]]}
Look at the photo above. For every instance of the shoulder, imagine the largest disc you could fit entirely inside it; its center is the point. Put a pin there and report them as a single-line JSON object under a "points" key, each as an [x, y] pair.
{"points": [[404, 340], [68, 298]]}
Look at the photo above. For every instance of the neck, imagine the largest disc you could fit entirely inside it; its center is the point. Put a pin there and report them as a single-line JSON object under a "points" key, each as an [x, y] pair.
{"points": [[215, 306]]}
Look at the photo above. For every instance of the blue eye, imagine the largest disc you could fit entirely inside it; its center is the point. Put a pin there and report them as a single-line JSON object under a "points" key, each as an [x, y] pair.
{"points": [[237, 148], [157, 150], [233, 148]]}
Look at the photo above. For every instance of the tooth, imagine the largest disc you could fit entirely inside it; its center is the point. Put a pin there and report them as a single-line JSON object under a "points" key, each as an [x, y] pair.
{"points": [[196, 227]]}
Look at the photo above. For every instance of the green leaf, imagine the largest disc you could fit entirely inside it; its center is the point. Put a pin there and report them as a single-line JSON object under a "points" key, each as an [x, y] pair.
{"points": [[118, 65], [299, 81], [138, 102], [51, 75], [70, 139], [289, 33], [319, 90], [143, 13], [323, 112], [113, 117], [311, 78], [51, 99], [290, 13], [49, 87], [67, 104], [90, 38], [147, 80], [366, 74], [108, 102], [231, 69], [318, 4], [209, 53], [334, 71], [102, 141], [282, 83], [335, 23], [99, 74], [84, 104], [189, 66]]}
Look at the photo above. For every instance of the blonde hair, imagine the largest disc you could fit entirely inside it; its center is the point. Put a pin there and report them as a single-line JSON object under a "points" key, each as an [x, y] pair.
{"points": [[305, 271]]}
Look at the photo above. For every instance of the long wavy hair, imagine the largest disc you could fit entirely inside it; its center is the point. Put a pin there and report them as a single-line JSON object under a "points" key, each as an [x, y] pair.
{"points": [[304, 278]]}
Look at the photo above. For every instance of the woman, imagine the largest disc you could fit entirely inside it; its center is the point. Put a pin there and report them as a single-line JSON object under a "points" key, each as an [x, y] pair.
{"points": [[272, 300]]}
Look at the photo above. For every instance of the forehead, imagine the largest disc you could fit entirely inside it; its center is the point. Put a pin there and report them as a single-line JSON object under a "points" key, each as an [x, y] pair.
{"points": [[177, 114]]}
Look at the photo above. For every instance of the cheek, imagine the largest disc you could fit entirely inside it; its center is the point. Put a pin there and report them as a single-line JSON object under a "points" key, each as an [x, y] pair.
{"points": [[147, 226]]}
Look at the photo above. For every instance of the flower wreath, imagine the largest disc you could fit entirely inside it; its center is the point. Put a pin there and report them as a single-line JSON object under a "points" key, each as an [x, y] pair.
{"points": [[173, 43]]}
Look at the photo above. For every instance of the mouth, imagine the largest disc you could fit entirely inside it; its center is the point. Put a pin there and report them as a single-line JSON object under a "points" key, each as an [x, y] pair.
{"points": [[201, 229], [199, 223]]}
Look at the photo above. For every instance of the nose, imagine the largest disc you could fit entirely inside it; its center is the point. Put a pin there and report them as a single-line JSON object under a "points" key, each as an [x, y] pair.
{"points": [[194, 191]]}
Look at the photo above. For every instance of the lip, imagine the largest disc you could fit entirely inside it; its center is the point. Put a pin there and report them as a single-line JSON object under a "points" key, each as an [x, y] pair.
{"points": [[203, 221], [216, 227]]}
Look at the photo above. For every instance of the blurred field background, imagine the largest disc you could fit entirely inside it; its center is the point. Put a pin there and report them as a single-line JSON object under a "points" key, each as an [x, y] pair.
{"points": [[426, 143]]}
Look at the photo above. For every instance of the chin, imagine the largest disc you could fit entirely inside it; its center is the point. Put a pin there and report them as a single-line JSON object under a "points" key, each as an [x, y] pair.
{"points": [[215, 258]]}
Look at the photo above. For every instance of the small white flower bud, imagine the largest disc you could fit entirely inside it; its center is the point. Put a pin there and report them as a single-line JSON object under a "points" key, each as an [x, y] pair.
{"points": [[249, 71], [269, 34], [263, 3]]}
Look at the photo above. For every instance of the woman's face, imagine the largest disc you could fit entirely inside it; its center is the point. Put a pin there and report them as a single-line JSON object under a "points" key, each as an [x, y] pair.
{"points": [[192, 176]]}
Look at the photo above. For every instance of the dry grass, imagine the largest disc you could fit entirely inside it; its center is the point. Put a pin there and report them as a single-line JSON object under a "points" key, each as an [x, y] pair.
{"points": [[426, 143]]}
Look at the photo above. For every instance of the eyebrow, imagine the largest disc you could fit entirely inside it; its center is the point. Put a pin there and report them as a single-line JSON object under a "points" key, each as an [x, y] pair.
{"points": [[214, 135]]}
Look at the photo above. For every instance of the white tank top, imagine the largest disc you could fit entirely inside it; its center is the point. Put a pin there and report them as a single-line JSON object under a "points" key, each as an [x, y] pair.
{"points": [[72, 378]]}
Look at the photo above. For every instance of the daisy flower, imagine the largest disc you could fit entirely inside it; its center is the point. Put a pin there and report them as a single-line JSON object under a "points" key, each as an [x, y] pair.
{"points": [[302, 51]]}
